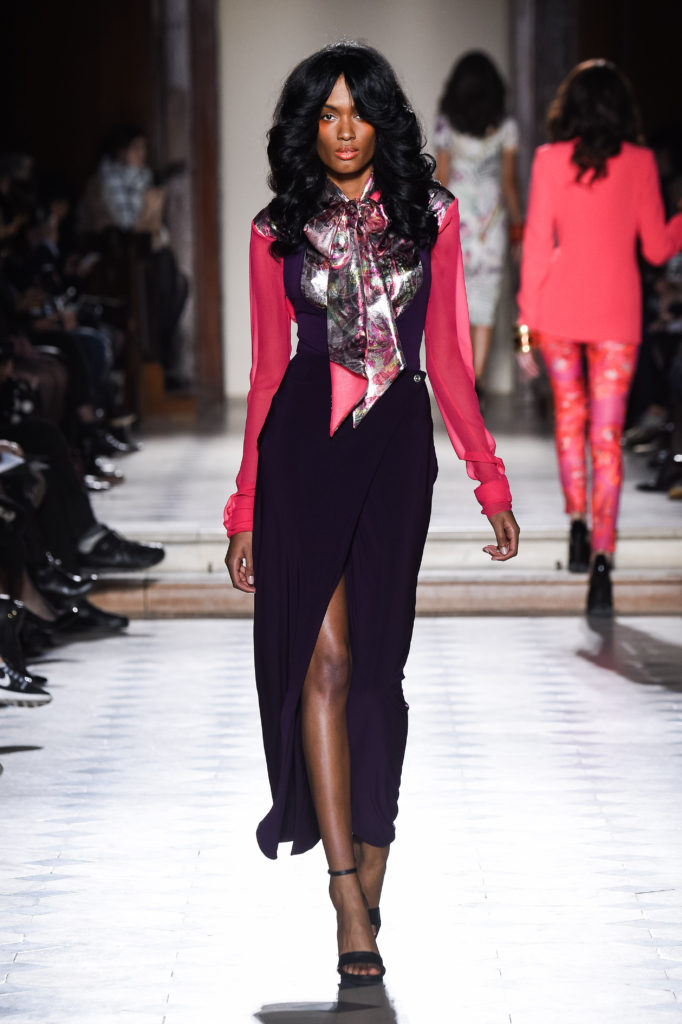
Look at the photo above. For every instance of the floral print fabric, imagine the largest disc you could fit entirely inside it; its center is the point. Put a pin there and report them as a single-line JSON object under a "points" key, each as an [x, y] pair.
{"points": [[594, 411], [476, 181]]}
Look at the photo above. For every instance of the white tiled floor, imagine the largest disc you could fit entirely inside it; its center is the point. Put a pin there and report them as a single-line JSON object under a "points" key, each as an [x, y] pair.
{"points": [[536, 879]]}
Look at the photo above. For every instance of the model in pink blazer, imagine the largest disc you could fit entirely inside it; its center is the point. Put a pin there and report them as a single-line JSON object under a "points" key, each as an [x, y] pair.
{"points": [[594, 203], [580, 278]]}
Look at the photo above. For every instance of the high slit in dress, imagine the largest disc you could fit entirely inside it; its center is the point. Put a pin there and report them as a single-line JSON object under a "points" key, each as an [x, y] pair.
{"points": [[353, 504]]}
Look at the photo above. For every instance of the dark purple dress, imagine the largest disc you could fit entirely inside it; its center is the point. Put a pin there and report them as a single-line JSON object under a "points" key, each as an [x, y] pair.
{"points": [[357, 503]]}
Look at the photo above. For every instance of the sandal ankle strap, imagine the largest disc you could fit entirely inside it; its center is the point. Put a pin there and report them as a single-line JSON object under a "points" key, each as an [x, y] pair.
{"points": [[348, 871]]}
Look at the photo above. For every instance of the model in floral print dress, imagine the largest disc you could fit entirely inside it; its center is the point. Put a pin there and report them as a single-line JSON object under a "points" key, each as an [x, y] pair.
{"points": [[476, 148]]}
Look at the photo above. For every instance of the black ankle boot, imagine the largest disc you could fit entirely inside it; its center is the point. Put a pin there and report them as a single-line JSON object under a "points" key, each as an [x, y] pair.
{"points": [[599, 595], [579, 547]]}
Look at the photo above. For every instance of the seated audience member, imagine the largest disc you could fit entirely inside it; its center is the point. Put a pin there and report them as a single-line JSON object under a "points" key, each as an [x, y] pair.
{"points": [[123, 194], [62, 507], [659, 432]]}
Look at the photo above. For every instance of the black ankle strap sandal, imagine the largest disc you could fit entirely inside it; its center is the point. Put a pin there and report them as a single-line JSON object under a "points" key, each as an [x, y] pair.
{"points": [[366, 957], [372, 912]]}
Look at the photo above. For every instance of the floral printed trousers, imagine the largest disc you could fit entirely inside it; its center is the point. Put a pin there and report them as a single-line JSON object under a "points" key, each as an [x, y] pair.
{"points": [[590, 407]]}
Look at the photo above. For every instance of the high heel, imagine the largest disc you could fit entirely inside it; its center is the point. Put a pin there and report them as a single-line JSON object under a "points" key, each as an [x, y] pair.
{"points": [[600, 593], [358, 957], [579, 547]]}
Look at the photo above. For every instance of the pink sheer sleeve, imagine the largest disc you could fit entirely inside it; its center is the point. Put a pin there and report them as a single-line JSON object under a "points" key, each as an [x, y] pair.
{"points": [[449, 364], [271, 349]]}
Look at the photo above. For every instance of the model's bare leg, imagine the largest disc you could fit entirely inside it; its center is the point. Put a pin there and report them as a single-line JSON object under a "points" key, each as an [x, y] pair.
{"points": [[325, 744], [371, 862], [481, 340]]}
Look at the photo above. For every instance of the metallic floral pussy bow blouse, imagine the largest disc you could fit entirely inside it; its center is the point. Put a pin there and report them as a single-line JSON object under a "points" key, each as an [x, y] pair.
{"points": [[365, 277]]}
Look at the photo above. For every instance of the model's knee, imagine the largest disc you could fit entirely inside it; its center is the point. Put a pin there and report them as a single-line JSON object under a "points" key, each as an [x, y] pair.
{"points": [[329, 673]]}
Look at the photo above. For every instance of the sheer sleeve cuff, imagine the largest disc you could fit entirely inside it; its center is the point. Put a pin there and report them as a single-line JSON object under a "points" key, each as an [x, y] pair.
{"points": [[494, 496], [238, 515]]}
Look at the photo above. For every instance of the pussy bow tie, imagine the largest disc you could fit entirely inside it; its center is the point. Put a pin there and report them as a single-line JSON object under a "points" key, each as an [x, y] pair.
{"points": [[362, 336]]}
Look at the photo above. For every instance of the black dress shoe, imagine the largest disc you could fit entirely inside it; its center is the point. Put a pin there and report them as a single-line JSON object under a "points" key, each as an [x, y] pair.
{"points": [[122, 433], [600, 595], [579, 547], [112, 551], [90, 620], [52, 578], [108, 444], [102, 468], [64, 610], [669, 475], [94, 485], [95, 439]]}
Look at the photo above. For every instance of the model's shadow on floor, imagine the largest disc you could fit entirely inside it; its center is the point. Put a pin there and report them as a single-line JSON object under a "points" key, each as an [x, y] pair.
{"points": [[370, 1005], [635, 654]]}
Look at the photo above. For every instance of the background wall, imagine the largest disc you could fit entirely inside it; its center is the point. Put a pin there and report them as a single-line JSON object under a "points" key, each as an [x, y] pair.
{"points": [[260, 41]]}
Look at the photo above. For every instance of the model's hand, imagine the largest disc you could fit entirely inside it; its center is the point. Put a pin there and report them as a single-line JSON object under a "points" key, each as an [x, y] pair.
{"points": [[506, 534], [239, 562]]}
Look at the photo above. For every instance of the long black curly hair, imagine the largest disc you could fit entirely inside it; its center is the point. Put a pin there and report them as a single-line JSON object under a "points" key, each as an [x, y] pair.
{"points": [[402, 172], [474, 96], [594, 107]]}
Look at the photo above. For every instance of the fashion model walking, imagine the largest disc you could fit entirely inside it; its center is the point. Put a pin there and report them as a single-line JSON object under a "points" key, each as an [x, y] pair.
{"points": [[476, 144], [333, 497], [594, 195]]}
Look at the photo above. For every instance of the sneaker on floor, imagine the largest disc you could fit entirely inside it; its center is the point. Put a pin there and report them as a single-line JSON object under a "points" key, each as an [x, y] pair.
{"points": [[112, 551], [21, 691]]}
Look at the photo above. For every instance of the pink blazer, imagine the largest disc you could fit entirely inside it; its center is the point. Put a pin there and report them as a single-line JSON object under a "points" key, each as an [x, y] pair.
{"points": [[579, 273]]}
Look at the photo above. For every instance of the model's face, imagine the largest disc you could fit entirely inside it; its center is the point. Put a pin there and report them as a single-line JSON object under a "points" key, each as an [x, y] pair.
{"points": [[345, 141]]}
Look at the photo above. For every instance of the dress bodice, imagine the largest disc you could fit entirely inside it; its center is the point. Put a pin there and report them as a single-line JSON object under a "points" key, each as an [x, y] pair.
{"points": [[311, 320]]}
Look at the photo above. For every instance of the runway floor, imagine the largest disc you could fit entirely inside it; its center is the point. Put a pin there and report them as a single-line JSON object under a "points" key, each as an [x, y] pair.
{"points": [[181, 481], [536, 878]]}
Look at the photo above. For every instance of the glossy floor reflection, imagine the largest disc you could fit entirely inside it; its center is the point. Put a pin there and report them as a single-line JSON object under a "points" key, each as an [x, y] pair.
{"points": [[536, 879]]}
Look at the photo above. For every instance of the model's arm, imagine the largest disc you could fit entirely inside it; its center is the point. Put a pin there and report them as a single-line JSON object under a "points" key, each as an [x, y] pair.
{"points": [[443, 164], [271, 350], [510, 187], [660, 239], [441, 143], [449, 364], [538, 240], [509, 179]]}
